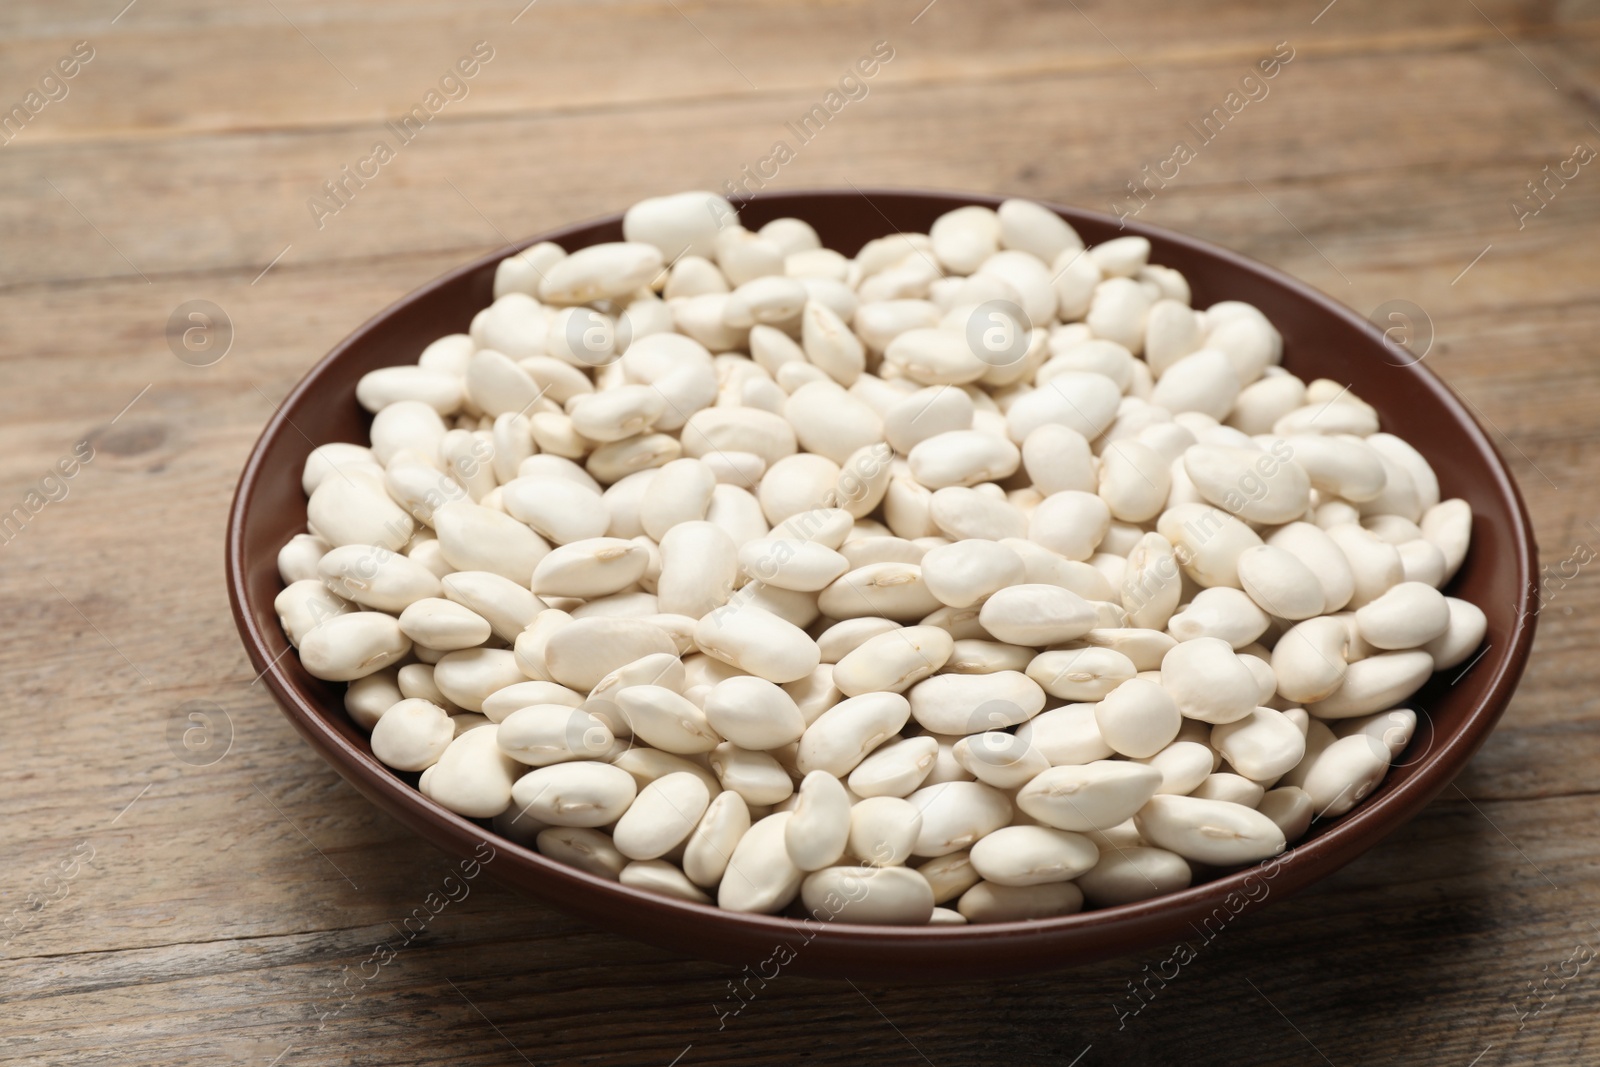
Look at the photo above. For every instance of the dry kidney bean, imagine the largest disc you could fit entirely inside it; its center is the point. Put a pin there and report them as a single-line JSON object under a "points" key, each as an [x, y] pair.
{"points": [[784, 579]]}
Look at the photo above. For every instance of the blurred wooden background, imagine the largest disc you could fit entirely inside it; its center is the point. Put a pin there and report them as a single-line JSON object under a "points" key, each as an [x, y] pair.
{"points": [[160, 912]]}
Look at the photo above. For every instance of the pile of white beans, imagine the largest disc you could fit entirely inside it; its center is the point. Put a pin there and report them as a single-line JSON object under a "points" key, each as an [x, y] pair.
{"points": [[975, 578]]}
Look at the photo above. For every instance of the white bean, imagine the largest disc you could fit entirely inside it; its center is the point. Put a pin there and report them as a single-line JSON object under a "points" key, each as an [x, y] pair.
{"points": [[955, 815], [1310, 659], [582, 652], [753, 713], [1070, 523], [1394, 728], [663, 814], [950, 875], [1152, 583], [1066, 735], [895, 769], [1033, 855], [593, 567], [327, 460], [726, 429], [819, 823], [978, 656], [829, 344], [1264, 487], [1080, 674], [584, 794], [1085, 403], [1032, 614], [1171, 331], [760, 876], [1407, 616], [960, 512], [1262, 745], [1374, 563], [659, 876], [1183, 766], [298, 558], [1280, 583], [963, 457], [758, 642], [1448, 524], [1345, 467], [830, 421], [677, 224], [366, 699], [1461, 637], [1146, 648], [350, 646], [965, 237], [766, 300], [502, 702], [600, 271], [1251, 343], [1327, 417], [588, 850], [1057, 458], [925, 414], [1203, 381], [891, 590], [935, 356], [1208, 542], [987, 902], [473, 777], [1222, 612], [346, 511], [667, 720], [1208, 681], [1375, 683], [1291, 808], [304, 605], [444, 624], [1002, 760], [894, 661], [970, 703], [468, 676], [1209, 831], [1134, 873], [893, 896], [815, 693], [476, 538], [412, 735], [758, 777], [1135, 480], [841, 736], [1117, 310], [543, 734], [508, 606], [1090, 796], [710, 846], [1311, 545], [416, 682], [1344, 773], [1138, 718]]}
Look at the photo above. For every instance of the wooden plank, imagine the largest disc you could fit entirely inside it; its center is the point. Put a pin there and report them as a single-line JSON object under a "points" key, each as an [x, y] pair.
{"points": [[223, 904], [180, 69], [1449, 909], [243, 199]]}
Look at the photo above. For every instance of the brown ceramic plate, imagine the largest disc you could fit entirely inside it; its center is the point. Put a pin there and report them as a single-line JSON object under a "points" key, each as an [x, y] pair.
{"points": [[1321, 339]]}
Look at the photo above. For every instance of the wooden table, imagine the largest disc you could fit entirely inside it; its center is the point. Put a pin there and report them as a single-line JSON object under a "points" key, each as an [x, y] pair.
{"points": [[206, 912]]}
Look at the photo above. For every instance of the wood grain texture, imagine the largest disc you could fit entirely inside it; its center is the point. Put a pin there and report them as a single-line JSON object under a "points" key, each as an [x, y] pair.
{"points": [[225, 913]]}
